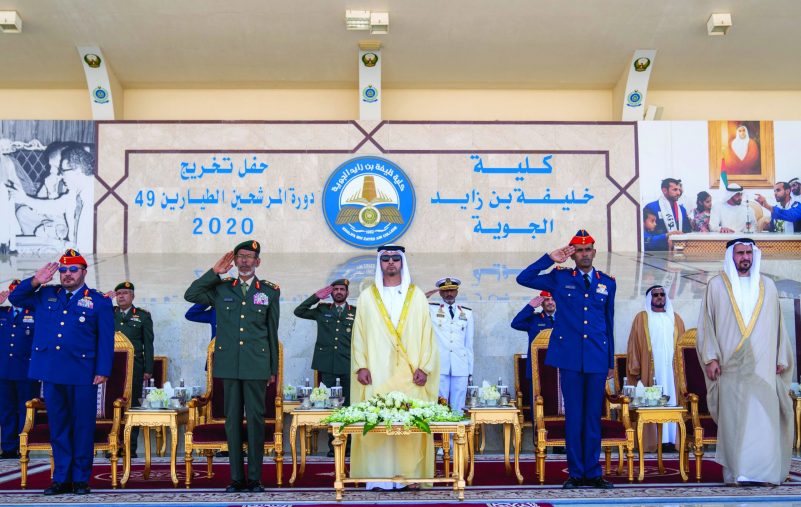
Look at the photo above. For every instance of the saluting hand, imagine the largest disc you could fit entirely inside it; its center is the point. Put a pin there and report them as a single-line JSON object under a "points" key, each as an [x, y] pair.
{"points": [[536, 302], [45, 274], [110, 294], [431, 292], [562, 254], [225, 263], [324, 292], [3, 296]]}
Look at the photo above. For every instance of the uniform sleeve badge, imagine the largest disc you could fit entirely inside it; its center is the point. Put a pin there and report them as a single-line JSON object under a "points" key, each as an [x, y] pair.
{"points": [[261, 298]]}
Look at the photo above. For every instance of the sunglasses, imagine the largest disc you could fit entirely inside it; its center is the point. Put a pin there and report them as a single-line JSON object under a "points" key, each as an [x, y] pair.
{"points": [[387, 258], [658, 294], [71, 269]]}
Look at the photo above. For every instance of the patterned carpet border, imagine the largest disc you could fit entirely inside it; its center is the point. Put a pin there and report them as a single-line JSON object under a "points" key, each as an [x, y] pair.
{"points": [[502, 495]]}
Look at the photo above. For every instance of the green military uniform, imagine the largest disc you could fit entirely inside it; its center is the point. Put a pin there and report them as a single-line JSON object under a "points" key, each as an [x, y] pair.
{"points": [[332, 350], [137, 325], [245, 356]]}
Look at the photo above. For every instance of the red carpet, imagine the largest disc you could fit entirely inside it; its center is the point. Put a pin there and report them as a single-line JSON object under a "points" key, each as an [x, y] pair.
{"points": [[321, 474]]}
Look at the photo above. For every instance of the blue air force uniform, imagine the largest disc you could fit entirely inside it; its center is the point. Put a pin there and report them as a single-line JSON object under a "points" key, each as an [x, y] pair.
{"points": [[582, 347], [16, 339], [73, 342], [532, 323]]}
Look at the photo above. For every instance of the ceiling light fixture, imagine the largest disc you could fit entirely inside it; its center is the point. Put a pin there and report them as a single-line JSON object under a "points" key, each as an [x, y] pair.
{"points": [[376, 22], [10, 22], [718, 24], [357, 20]]}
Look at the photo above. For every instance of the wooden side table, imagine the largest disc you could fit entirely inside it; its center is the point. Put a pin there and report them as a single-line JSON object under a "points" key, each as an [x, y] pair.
{"points": [[509, 417], [456, 478], [150, 418], [658, 416], [305, 420]]}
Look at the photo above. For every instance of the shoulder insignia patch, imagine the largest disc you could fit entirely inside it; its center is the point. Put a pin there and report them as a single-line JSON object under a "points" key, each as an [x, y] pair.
{"points": [[466, 307], [433, 304], [271, 284]]}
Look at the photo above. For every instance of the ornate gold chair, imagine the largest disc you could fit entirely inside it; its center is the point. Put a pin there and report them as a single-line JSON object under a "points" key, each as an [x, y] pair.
{"points": [[160, 364], [116, 398], [549, 423], [691, 385], [621, 363], [523, 391], [205, 432]]}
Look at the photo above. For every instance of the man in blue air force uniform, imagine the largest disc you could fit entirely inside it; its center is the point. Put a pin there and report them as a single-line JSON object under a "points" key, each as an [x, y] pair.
{"points": [[73, 348], [16, 340], [582, 347], [533, 323]]}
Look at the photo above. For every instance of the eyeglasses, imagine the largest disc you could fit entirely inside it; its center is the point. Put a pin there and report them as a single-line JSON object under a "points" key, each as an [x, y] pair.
{"points": [[71, 269], [657, 294], [387, 258]]}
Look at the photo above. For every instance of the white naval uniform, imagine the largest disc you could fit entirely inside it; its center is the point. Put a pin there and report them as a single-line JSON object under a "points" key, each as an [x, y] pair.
{"points": [[455, 340]]}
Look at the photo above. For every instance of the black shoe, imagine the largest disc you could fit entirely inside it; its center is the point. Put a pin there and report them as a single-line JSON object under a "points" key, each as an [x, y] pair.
{"points": [[58, 488], [255, 487], [668, 447], [598, 483], [10, 454], [573, 483], [221, 454], [81, 488], [236, 487], [330, 454]]}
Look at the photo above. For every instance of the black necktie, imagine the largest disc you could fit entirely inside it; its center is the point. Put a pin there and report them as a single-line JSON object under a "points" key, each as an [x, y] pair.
{"points": [[339, 311], [69, 296], [586, 281], [550, 319], [450, 309]]}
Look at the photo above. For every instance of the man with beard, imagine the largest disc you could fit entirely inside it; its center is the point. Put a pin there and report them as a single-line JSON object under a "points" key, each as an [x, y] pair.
{"points": [[454, 328], [795, 189], [786, 215], [137, 325], [245, 353], [731, 215], [334, 327], [671, 217], [582, 347], [73, 347], [393, 349], [652, 341], [748, 361]]}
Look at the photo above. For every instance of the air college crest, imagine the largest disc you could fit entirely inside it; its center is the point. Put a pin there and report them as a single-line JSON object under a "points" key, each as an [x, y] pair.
{"points": [[368, 201]]}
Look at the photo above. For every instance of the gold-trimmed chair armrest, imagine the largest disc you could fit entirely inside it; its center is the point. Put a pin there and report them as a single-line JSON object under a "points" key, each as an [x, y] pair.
{"points": [[539, 413], [195, 406], [693, 398], [279, 414], [31, 406]]}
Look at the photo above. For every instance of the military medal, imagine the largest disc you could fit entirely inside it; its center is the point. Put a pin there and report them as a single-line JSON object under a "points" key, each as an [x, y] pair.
{"points": [[601, 289], [260, 298], [81, 319], [86, 303]]}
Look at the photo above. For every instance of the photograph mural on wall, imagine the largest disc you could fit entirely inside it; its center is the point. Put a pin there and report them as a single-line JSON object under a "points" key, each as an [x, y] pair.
{"points": [[744, 150], [47, 194]]}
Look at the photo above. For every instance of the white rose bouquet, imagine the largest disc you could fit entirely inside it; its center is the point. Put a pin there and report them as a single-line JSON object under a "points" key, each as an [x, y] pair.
{"points": [[489, 392], [319, 394]]}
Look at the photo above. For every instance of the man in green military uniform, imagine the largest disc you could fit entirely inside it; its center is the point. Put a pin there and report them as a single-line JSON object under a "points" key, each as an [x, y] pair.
{"points": [[334, 326], [137, 325], [245, 353]]}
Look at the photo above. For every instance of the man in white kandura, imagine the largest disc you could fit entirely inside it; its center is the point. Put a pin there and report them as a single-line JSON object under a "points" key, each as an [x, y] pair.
{"points": [[453, 326], [748, 360], [393, 349], [652, 341]]}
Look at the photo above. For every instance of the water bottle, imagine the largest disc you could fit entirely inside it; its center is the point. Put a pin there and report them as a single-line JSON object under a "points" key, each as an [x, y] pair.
{"points": [[748, 217]]}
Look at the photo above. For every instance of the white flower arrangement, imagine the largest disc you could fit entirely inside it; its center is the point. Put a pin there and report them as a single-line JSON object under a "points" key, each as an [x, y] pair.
{"points": [[157, 397], [489, 392], [394, 408], [653, 393], [319, 394], [290, 392]]}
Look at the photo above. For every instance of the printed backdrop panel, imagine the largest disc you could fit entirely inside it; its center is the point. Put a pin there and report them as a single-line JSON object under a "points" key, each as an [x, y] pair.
{"points": [[339, 186]]}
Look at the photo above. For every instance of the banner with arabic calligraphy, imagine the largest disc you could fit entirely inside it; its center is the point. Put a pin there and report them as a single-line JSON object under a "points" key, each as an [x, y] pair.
{"points": [[433, 187]]}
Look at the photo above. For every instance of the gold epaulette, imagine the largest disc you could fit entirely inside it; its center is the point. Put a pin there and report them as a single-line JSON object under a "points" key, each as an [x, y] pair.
{"points": [[271, 284]]}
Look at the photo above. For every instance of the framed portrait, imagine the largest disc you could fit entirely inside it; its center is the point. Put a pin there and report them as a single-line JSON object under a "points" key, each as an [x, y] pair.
{"points": [[744, 149]]}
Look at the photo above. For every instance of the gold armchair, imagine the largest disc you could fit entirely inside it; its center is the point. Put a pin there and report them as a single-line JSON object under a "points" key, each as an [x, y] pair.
{"points": [[35, 435], [523, 391], [549, 424], [205, 431], [691, 387]]}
